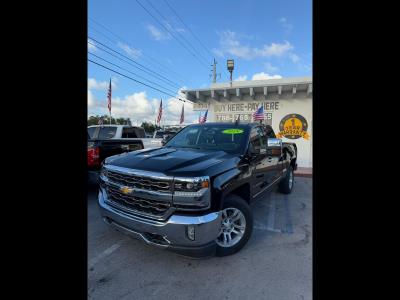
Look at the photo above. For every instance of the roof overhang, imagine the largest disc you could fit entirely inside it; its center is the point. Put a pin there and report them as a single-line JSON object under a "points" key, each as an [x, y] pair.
{"points": [[225, 91]]}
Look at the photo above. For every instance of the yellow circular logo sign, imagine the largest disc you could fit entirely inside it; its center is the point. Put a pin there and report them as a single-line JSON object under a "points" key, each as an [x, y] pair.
{"points": [[293, 126]]}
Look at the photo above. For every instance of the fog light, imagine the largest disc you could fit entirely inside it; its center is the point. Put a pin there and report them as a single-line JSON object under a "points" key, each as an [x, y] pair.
{"points": [[191, 232]]}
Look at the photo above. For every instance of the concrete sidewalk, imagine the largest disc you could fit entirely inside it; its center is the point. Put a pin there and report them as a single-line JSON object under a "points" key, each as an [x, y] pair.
{"points": [[303, 172]]}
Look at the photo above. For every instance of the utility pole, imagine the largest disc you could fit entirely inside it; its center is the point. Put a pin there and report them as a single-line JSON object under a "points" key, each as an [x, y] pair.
{"points": [[214, 72]]}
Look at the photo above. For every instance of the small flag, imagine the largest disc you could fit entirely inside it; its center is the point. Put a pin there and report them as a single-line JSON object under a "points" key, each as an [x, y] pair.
{"points": [[100, 122], [259, 113], [159, 113], [109, 97], [182, 114], [203, 119]]}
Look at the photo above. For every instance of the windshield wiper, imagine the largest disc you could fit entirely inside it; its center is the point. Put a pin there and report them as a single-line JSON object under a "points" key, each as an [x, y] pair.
{"points": [[191, 147]]}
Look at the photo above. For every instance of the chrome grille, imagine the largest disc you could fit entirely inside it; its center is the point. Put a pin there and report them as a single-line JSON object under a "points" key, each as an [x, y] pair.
{"points": [[140, 182], [151, 207]]}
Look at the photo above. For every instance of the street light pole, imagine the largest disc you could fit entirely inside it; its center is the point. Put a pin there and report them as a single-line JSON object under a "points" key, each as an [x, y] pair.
{"points": [[230, 64]]}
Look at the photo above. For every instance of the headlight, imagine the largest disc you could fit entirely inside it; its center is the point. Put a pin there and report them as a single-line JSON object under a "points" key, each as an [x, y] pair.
{"points": [[192, 193], [191, 184]]}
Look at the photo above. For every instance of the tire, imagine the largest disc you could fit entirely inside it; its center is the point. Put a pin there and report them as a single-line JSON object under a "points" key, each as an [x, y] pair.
{"points": [[232, 204], [286, 185]]}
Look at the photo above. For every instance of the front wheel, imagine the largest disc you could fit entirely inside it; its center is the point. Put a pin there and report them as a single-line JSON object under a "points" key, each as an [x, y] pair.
{"points": [[286, 185], [236, 226]]}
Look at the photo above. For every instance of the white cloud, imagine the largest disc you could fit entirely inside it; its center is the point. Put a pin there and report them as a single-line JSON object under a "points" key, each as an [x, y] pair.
{"points": [[157, 34], [286, 25], [93, 84], [230, 45], [265, 76], [91, 46], [275, 49], [270, 68], [294, 57], [241, 78], [180, 30], [139, 108], [132, 52], [91, 100]]}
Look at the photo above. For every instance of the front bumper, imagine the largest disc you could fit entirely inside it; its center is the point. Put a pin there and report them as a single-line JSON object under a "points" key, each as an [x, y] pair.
{"points": [[171, 234]]}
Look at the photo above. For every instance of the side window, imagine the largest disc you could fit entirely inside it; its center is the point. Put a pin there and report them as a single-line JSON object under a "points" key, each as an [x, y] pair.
{"points": [[270, 132], [257, 139], [129, 133], [107, 132]]}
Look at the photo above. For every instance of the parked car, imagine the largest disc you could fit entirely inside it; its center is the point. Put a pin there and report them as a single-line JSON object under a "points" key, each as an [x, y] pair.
{"points": [[109, 140], [192, 196]]}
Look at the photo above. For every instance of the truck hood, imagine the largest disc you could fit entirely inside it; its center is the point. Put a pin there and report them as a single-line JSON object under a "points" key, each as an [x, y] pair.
{"points": [[177, 161]]}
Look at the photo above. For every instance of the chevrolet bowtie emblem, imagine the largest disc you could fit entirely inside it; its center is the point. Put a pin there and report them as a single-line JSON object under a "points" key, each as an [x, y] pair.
{"points": [[126, 190]]}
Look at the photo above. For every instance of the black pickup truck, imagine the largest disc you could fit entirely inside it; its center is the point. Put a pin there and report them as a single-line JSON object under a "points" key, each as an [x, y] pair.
{"points": [[192, 195]]}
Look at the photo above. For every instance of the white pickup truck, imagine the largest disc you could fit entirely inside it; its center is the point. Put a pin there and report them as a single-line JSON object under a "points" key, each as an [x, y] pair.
{"points": [[123, 132]]}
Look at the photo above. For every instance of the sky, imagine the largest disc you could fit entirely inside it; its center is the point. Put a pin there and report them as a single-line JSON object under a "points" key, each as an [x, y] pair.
{"points": [[173, 48]]}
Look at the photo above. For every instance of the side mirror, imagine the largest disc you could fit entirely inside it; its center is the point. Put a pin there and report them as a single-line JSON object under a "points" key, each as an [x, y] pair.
{"points": [[255, 152], [274, 146], [274, 142]]}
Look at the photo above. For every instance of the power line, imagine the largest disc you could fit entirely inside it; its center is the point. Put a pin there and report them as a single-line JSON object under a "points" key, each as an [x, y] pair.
{"points": [[180, 42], [154, 61], [105, 67], [200, 42], [181, 35], [133, 65], [174, 83], [152, 82], [176, 14]]}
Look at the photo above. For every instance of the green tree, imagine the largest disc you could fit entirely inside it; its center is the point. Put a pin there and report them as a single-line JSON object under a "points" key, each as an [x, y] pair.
{"points": [[94, 120], [149, 127]]}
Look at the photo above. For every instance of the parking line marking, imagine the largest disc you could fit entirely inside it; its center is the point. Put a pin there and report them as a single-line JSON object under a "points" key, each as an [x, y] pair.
{"points": [[105, 253], [271, 215], [289, 225]]}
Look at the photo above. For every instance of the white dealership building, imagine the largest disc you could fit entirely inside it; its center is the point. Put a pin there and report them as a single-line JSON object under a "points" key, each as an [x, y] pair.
{"points": [[287, 104]]}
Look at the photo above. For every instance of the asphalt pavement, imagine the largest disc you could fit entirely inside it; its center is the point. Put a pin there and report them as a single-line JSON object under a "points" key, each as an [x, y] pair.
{"points": [[275, 264]]}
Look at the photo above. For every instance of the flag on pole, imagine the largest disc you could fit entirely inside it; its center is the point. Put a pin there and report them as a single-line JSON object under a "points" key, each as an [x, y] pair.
{"points": [[259, 113], [182, 114], [159, 113], [203, 119], [109, 97]]}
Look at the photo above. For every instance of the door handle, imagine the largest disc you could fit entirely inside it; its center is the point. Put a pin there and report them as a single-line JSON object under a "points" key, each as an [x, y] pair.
{"points": [[259, 175]]}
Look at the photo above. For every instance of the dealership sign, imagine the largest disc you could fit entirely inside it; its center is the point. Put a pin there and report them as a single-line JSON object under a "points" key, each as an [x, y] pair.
{"points": [[293, 126], [243, 111]]}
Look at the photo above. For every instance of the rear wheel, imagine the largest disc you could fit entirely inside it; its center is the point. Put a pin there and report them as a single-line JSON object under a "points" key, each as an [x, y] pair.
{"points": [[236, 226]]}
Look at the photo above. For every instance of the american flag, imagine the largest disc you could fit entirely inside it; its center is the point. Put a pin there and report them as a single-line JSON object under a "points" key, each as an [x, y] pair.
{"points": [[182, 114], [203, 119], [159, 113], [109, 97], [100, 122], [259, 113]]}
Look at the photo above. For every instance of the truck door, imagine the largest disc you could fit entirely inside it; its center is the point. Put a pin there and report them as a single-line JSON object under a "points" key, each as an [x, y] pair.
{"points": [[258, 153], [274, 155]]}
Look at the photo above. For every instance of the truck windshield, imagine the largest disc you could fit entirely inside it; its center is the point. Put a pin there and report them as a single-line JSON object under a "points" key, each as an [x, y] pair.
{"points": [[228, 138]]}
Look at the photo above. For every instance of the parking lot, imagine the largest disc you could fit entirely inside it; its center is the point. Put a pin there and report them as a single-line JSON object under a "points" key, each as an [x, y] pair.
{"points": [[275, 264]]}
